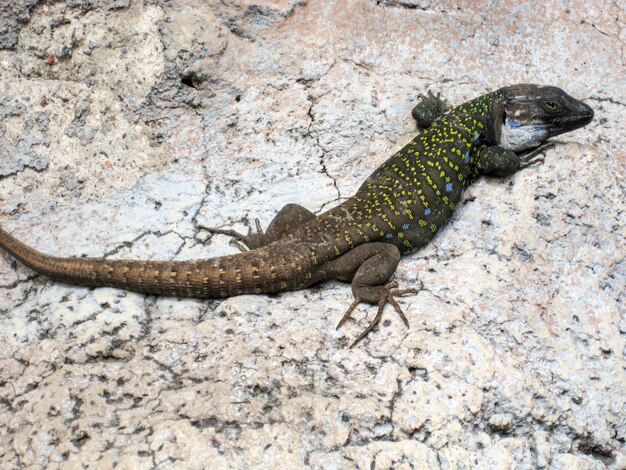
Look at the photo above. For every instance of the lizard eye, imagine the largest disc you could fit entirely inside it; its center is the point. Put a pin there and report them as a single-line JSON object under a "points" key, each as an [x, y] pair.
{"points": [[552, 105]]}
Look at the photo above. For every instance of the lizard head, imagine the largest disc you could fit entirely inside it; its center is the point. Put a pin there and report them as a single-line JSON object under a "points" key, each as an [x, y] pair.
{"points": [[527, 115]]}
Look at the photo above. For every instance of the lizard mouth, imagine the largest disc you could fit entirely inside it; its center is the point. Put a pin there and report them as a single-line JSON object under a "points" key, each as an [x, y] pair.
{"points": [[562, 124]]}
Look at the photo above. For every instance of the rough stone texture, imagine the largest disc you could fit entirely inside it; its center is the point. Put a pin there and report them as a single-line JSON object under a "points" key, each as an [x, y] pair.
{"points": [[125, 126]]}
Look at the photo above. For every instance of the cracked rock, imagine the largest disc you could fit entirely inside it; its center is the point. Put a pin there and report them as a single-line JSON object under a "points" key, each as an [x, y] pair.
{"points": [[156, 118]]}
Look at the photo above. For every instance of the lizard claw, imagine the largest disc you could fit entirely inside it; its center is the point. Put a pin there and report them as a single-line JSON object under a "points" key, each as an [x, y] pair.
{"points": [[429, 94], [535, 156], [435, 98], [239, 245], [388, 293], [243, 242]]}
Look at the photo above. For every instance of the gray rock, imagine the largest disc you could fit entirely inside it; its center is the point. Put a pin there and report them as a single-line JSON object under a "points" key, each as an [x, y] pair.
{"points": [[162, 117]]}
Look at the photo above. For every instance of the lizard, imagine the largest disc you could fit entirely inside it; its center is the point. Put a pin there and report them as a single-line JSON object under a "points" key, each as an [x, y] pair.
{"points": [[398, 209]]}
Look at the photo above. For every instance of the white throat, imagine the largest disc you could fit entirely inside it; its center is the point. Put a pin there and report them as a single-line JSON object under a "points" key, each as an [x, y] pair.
{"points": [[516, 137]]}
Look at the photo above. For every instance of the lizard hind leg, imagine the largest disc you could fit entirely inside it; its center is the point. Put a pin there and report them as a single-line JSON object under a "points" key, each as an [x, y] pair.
{"points": [[288, 219], [370, 266], [428, 109]]}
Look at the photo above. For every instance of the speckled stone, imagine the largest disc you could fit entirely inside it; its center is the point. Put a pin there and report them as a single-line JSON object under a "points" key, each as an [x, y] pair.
{"points": [[125, 127]]}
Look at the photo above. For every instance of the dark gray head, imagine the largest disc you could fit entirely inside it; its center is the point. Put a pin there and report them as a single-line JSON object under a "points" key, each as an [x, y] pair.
{"points": [[527, 115]]}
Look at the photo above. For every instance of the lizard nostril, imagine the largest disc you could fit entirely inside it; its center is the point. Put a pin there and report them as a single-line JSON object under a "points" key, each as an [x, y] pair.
{"points": [[587, 111]]}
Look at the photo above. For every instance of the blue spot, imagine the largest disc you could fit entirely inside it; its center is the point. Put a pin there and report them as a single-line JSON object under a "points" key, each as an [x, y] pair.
{"points": [[438, 119], [466, 159], [514, 124], [389, 235], [449, 187], [405, 227], [427, 211], [476, 138]]}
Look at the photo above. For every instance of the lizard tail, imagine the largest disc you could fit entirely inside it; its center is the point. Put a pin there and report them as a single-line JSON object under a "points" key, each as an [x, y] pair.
{"points": [[276, 267]]}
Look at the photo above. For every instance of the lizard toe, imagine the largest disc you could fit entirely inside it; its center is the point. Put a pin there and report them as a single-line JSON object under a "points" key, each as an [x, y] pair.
{"points": [[385, 295]]}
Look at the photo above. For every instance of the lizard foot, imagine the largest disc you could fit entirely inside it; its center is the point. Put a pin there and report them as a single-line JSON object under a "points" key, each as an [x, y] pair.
{"points": [[436, 99], [243, 242], [429, 109], [534, 156], [288, 219], [386, 295]]}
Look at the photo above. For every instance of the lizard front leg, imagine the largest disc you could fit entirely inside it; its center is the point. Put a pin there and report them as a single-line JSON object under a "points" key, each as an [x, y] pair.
{"points": [[498, 161], [369, 267], [288, 219], [428, 110]]}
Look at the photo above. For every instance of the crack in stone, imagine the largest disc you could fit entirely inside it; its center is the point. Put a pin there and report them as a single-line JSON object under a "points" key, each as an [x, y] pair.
{"points": [[315, 135], [25, 166], [606, 99]]}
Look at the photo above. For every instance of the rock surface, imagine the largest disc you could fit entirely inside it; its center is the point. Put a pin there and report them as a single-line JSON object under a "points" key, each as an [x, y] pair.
{"points": [[126, 126]]}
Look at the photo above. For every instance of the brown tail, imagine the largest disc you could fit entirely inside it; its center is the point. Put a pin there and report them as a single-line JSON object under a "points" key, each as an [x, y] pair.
{"points": [[276, 267]]}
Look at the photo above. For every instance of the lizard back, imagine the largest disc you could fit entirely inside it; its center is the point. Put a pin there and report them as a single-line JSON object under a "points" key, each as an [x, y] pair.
{"points": [[408, 198]]}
